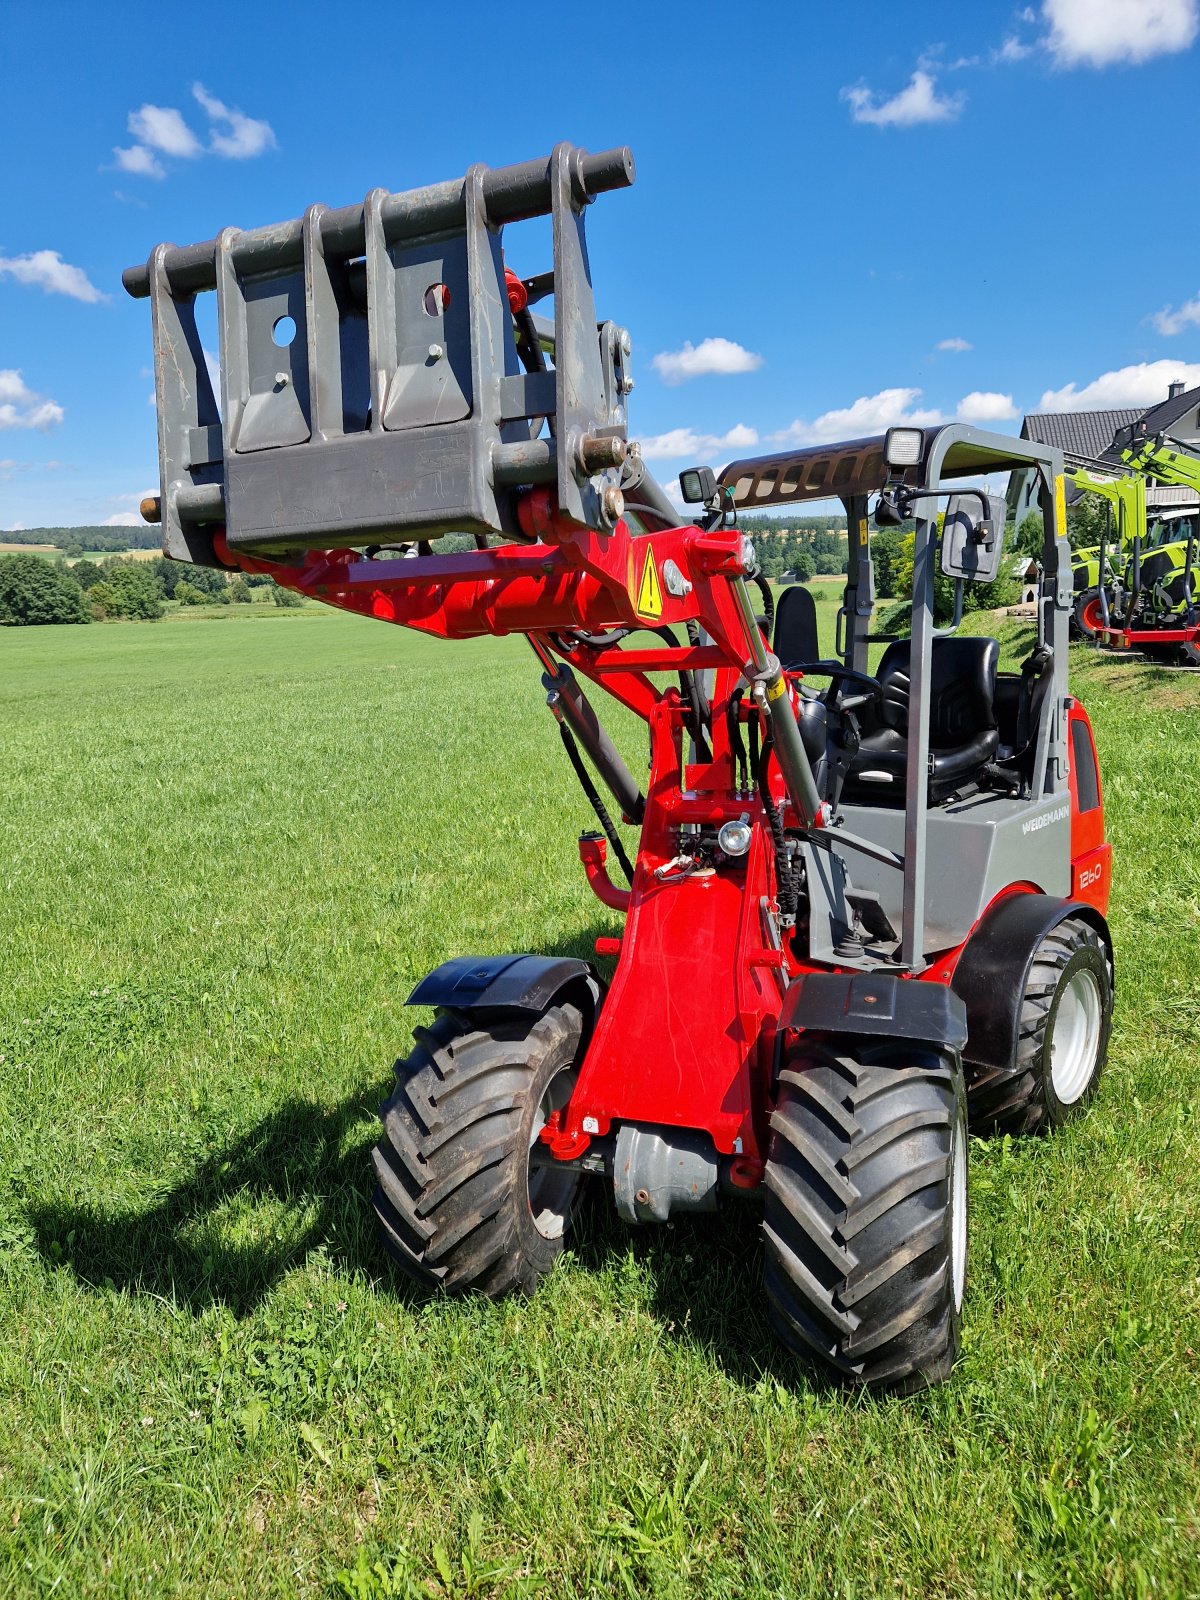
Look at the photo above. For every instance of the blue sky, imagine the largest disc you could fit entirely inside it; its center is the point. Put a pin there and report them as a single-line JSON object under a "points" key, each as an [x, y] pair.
{"points": [[844, 215]]}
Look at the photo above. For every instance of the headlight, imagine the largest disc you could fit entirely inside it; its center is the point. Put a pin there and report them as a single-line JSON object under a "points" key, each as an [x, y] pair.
{"points": [[903, 446], [734, 837]]}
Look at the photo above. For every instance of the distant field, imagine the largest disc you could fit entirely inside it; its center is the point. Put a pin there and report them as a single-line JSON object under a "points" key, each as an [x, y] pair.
{"points": [[33, 549], [225, 855], [125, 555]]}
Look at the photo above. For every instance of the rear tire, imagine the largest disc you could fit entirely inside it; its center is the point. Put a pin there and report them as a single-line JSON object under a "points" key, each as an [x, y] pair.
{"points": [[1062, 1038], [1087, 616], [865, 1224], [466, 1197]]}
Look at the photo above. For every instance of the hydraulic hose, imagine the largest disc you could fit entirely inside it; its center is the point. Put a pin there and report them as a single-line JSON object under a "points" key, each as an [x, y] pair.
{"points": [[789, 893], [593, 795]]}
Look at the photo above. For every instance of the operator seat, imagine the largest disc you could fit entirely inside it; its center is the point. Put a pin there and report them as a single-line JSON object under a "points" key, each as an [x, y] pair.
{"points": [[795, 642], [963, 735]]}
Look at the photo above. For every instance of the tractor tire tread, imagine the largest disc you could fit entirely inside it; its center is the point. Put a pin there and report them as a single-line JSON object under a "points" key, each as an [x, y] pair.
{"points": [[857, 1219], [451, 1195]]}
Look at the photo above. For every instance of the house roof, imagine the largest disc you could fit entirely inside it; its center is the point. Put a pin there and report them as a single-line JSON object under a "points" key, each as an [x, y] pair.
{"points": [[1163, 417], [1079, 433]]}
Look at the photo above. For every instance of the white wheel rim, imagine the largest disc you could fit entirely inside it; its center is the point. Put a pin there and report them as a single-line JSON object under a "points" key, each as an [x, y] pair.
{"points": [[551, 1185], [1075, 1041], [958, 1212]]}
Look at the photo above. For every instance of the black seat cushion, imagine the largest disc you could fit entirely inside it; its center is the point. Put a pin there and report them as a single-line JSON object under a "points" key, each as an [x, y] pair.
{"points": [[963, 735]]}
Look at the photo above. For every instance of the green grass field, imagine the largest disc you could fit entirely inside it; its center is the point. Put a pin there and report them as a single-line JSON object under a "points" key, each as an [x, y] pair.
{"points": [[225, 855]]}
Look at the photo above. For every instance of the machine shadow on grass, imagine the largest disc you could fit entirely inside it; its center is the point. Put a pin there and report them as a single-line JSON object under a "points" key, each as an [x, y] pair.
{"points": [[303, 1157], [308, 1159], [707, 1282]]}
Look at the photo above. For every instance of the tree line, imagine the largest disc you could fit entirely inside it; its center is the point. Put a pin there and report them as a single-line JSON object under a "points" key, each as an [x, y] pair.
{"points": [[35, 590], [78, 541]]}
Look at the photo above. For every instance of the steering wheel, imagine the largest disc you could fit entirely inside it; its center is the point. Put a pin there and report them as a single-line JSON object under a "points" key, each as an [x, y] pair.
{"points": [[872, 689]]}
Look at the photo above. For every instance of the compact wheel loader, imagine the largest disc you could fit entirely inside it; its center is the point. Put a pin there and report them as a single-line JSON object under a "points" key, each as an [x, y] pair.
{"points": [[866, 911]]}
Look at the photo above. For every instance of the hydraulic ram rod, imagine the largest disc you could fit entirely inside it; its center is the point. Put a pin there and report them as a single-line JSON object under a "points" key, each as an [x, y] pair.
{"points": [[568, 701], [511, 194], [789, 748]]}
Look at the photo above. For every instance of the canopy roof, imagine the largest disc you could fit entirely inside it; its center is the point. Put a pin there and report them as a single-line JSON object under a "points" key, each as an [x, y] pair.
{"points": [[859, 466]]}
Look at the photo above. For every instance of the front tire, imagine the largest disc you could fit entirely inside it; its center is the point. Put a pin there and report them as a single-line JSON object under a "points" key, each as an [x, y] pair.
{"points": [[1062, 1038], [466, 1197], [865, 1224]]}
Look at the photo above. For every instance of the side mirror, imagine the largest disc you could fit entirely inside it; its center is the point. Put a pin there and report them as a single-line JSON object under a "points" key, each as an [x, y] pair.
{"points": [[973, 537]]}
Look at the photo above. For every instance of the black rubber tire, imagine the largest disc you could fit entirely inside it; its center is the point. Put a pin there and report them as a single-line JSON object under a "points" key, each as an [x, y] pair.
{"points": [[1084, 614], [858, 1222], [1022, 1098], [452, 1196]]}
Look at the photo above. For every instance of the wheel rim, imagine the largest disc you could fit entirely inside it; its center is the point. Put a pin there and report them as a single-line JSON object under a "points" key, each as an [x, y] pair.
{"points": [[1076, 1038], [551, 1185], [1092, 618], [958, 1212]]}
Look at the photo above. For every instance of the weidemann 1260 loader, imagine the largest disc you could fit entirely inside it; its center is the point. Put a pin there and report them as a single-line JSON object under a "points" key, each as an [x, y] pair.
{"points": [[866, 908]]}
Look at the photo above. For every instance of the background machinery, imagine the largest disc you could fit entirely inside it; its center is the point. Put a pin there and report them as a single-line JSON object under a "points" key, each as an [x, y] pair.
{"points": [[863, 907]]}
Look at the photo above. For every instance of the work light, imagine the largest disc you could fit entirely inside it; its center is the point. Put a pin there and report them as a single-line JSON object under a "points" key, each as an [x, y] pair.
{"points": [[902, 447]]}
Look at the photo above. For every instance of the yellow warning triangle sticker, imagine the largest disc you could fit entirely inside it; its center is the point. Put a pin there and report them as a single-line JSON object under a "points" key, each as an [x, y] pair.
{"points": [[649, 598]]}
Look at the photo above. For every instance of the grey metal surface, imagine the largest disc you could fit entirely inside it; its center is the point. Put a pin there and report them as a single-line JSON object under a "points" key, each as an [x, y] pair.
{"points": [[370, 379], [660, 1170], [973, 849]]}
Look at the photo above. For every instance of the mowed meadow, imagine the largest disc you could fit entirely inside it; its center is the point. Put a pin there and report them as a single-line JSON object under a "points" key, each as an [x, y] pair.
{"points": [[227, 850]]}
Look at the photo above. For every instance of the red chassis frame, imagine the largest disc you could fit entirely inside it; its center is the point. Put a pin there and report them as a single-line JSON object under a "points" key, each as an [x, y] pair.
{"points": [[686, 1036], [1134, 638]]}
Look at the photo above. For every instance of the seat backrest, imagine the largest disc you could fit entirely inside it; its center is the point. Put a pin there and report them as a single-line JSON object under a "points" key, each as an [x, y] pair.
{"points": [[795, 638], [962, 689]]}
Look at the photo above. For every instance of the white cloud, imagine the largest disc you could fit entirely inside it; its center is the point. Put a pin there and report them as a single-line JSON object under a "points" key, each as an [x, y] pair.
{"points": [[684, 443], [870, 414], [1013, 49], [700, 360], [136, 158], [1142, 385], [21, 408], [1097, 33], [956, 347], [918, 102], [1169, 322], [985, 405], [246, 136], [163, 128], [15, 527], [123, 519], [46, 270]]}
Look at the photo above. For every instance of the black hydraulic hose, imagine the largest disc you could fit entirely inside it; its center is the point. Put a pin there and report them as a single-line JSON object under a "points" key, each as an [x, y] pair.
{"points": [[691, 694], [693, 633], [764, 588], [789, 893], [737, 745], [593, 795]]}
